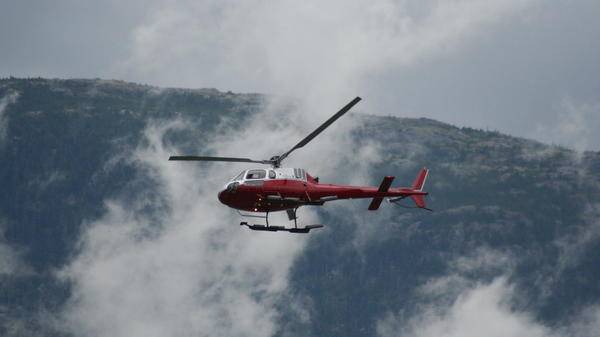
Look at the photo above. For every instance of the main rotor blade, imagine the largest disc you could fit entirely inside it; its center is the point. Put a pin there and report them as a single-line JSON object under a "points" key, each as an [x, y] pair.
{"points": [[322, 127], [228, 159]]}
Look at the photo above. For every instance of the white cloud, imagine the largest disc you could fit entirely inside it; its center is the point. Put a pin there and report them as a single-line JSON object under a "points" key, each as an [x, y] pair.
{"points": [[483, 259], [307, 49], [459, 305], [480, 311], [187, 267], [10, 98], [585, 324], [190, 270], [10, 260], [575, 244], [485, 310], [11, 257], [465, 272], [576, 125]]}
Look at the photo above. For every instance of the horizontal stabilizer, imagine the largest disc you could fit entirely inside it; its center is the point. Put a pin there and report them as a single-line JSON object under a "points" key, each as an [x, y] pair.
{"points": [[374, 205], [384, 187]]}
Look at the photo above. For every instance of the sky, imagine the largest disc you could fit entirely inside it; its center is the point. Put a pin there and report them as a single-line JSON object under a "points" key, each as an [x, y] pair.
{"points": [[524, 67]]}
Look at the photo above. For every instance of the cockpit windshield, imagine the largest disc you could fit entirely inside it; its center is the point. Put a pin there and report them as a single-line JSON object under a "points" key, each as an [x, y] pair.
{"points": [[239, 176]]}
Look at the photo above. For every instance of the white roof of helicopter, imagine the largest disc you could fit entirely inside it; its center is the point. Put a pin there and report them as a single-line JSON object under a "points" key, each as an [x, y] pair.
{"points": [[271, 173]]}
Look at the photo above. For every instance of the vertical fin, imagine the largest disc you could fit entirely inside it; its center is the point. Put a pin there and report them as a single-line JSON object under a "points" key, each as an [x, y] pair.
{"points": [[419, 201], [420, 180]]}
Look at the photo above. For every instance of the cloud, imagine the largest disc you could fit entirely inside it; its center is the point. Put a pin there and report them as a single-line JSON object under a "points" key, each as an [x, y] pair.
{"points": [[466, 271], [480, 311], [9, 98], [309, 48], [485, 310], [11, 257], [462, 304], [574, 245], [483, 259], [173, 261], [186, 268], [11, 262], [585, 324], [576, 125]]}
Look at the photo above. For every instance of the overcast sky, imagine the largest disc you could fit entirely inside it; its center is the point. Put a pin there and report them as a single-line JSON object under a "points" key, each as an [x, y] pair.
{"points": [[529, 67]]}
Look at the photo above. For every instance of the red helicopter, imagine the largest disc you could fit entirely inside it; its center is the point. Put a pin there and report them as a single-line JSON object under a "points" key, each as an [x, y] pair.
{"points": [[286, 189]]}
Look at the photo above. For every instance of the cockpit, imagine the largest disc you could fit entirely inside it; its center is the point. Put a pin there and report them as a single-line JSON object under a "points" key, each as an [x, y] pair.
{"points": [[257, 177]]}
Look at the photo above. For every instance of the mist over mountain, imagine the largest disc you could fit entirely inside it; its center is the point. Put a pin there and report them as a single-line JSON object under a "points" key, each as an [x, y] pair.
{"points": [[93, 227]]}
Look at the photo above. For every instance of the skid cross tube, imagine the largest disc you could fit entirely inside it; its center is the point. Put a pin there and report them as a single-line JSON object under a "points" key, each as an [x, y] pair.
{"points": [[269, 228]]}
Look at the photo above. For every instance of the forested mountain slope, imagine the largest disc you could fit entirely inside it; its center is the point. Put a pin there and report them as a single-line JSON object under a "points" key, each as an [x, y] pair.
{"points": [[506, 208]]}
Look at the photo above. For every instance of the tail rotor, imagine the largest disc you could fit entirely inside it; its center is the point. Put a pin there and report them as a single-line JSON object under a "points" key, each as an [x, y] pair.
{"points": [[416, 194]]}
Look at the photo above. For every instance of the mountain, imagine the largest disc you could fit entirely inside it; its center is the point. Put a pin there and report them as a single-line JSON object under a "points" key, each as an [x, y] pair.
{"points": [[507, 210]]}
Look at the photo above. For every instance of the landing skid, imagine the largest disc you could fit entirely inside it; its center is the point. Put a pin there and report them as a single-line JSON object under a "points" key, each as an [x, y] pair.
{"points": [[264, 228], [291, 215]]}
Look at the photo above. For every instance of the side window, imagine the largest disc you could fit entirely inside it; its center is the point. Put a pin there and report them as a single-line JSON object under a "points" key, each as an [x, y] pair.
{"points": [[271, 174], [299, 174], [256, 174]]}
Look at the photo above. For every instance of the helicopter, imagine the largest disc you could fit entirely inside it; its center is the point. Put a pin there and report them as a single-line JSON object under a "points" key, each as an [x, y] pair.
{"points": [[260, 190]]}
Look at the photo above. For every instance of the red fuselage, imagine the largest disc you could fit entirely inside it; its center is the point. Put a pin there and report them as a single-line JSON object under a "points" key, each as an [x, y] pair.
{"points": [[271, 195]]}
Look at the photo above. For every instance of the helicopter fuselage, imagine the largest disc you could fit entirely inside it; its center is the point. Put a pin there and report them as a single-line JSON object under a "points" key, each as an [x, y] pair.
{"points": [[278, 189]]}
